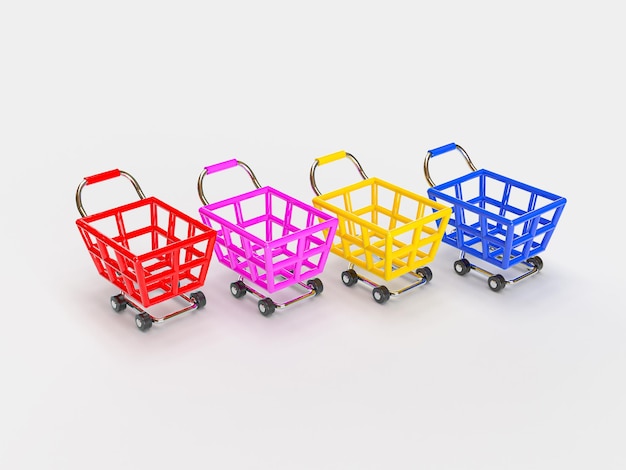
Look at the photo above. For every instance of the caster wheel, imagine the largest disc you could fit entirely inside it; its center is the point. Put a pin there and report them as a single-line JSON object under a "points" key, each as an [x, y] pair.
{"points": [[496, 283], [238, 289], [266, 306], [198, 298], [381, 294], [118, 303], [316, 285], [143, 321], [462, 266], [349, 277], [536, 262], [425, 272]]}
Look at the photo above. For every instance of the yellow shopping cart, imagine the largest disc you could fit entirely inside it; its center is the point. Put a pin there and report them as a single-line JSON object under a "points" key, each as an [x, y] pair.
{"points": [[383, 229]]}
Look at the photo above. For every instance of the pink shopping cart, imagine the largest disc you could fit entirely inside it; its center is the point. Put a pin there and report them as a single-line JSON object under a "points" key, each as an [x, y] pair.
{"points": [[269, 239]]}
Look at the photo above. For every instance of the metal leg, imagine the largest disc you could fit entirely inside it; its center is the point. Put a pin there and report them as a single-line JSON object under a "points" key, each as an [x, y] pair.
{"points": [[497, 282], [266, 305], [144, 320], [380, 292]]}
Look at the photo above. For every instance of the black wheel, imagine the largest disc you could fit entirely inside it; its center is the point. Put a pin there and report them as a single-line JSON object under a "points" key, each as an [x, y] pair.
{"points": [[349, 277], [238, 289], [143, 321], [425, 272], [496, 283], [536, 262], [462, 266], [118, 302], [381, 294], [266, 306], [316, 285], [198, 298]]}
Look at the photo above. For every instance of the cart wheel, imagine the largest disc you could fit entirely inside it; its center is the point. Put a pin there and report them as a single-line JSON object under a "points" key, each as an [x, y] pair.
{"points": [[349, 277], [425, 272], [496, 283], [238, 289], [198, 298], [266, 306], [118, 303], [462, 266], [316, 285], [381, 294], [143, 321], [536, 261]]}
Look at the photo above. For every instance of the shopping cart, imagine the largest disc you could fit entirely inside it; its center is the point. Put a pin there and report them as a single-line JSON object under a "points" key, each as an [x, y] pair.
{"points": [[384, 229], [496, 219], [269, 238], [149, 250]]}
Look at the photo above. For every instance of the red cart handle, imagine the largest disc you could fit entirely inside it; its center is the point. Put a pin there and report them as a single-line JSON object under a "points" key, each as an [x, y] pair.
{"points": [[106, 175], [332, 158], [220, 167], [441, 150]]}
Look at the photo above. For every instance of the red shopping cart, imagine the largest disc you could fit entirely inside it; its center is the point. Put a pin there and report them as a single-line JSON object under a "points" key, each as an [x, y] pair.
{"points": [[148, 249]]}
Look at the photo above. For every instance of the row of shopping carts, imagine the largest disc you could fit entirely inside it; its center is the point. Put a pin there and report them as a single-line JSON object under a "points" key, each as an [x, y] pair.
{"points": [[273, 242]]}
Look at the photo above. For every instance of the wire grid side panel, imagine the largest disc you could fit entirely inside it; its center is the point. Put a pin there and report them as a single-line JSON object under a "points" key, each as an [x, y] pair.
{"points": [[366, 214], [113, 261], [417, 242], [300, 238], [415, 226], [179, 259]]}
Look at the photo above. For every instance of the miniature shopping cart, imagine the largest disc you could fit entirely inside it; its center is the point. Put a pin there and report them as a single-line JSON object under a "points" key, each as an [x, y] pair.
{"points": [[269, 238], [496, 219], [149, 250], [383, 229]]}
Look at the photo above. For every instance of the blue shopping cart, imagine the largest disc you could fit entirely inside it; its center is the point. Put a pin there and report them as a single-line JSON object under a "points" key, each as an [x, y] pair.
{"points": [[496, 219]]}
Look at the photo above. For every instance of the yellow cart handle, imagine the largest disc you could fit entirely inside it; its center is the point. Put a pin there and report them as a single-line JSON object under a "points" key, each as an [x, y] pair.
{"points": [[333, 157]]}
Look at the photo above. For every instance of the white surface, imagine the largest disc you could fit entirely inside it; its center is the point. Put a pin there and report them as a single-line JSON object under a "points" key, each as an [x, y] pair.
{"points": [[449, 376]]}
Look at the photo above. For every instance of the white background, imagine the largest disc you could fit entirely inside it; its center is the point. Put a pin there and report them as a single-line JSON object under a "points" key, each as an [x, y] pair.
{"points": [[448, 376]]}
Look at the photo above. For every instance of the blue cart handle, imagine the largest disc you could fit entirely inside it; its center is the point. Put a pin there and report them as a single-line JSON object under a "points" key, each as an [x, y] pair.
{"points": [[220, 167], [332, 158], [440, 151]]}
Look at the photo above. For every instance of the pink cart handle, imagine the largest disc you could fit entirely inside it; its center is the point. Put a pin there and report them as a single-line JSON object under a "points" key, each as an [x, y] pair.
{"points": [[98, 178], [220, 167]]}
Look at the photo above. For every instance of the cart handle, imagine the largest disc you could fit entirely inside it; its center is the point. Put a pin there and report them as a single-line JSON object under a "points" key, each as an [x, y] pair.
{"points": [[440, 151], [106, 175], [332, 158], [220, 167]]}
